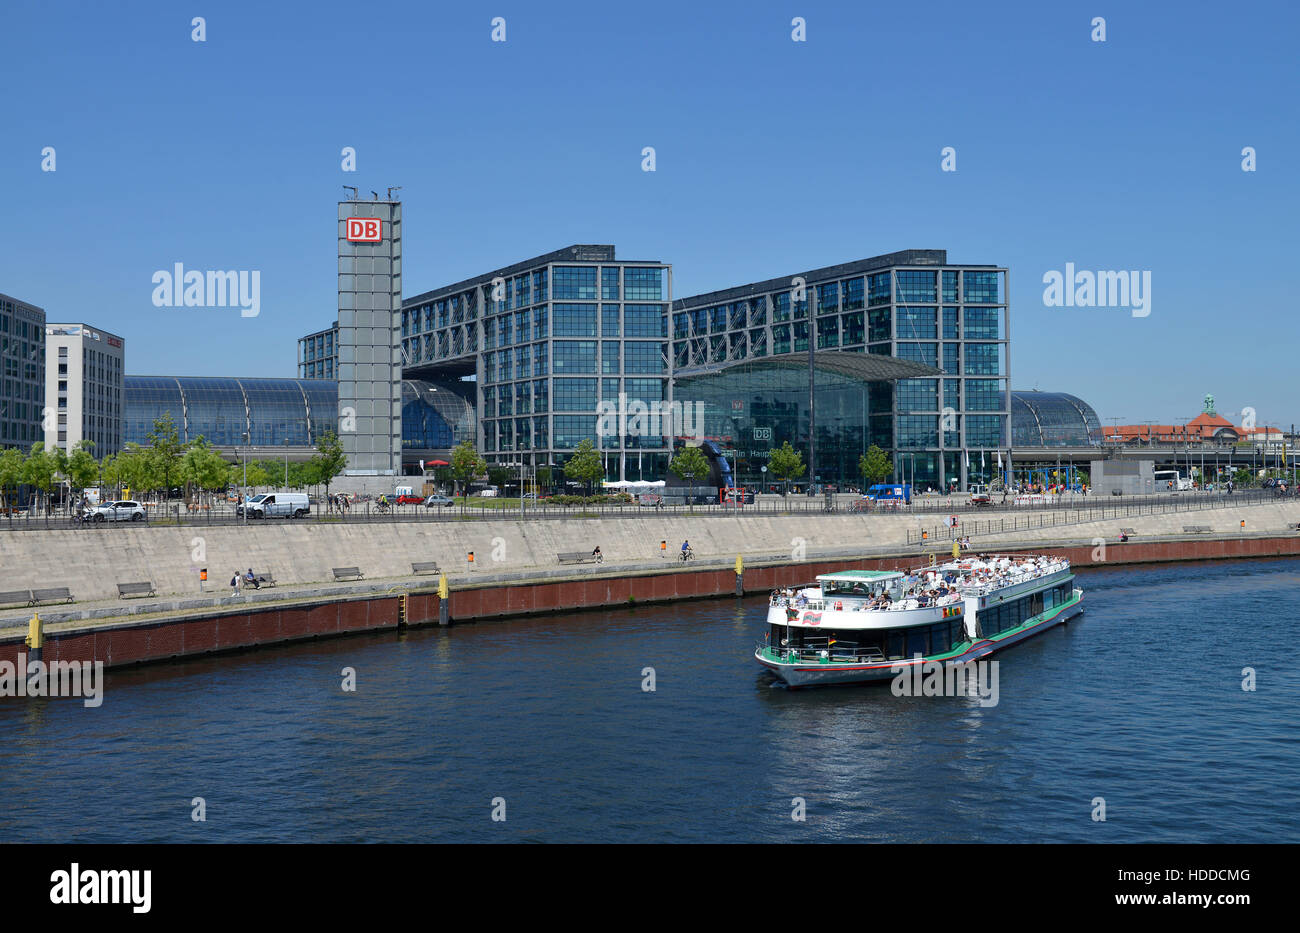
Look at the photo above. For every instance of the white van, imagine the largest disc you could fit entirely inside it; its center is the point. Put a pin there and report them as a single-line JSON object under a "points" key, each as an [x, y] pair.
{"points": [[276, 505]]}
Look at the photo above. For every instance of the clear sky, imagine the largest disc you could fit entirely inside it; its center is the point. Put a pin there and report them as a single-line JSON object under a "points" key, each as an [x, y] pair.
{"points": [[773, 157]]}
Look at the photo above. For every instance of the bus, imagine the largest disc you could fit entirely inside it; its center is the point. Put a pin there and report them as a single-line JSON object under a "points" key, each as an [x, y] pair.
{"points": [[1171, 481]]}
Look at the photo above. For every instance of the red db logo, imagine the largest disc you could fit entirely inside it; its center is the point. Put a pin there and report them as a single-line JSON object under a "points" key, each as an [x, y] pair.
{"points": [[363, 230]]}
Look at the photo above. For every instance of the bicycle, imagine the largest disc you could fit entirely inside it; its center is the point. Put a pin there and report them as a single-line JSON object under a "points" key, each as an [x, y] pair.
{"points": [[688, 554]]}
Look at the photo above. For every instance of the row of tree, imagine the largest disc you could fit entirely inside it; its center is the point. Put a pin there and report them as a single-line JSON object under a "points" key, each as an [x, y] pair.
{"points": [[165, 464]]}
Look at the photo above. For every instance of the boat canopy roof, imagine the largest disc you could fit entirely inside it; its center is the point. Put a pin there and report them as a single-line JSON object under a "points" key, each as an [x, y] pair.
{"points": [[859, 576]]}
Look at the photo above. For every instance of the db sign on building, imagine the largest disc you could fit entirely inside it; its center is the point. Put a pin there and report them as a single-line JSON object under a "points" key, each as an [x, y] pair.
{"points": [[364, 230]]}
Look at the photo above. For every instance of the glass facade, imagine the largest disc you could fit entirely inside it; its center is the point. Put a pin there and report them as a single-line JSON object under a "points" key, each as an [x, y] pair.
{"points": [[1053, 419], [549, 338], [231, 412], [912, 305], [752, 407], [318, 354], [22, 379]]}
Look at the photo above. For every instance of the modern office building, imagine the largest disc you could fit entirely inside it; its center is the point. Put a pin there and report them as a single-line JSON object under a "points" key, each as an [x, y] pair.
{"points": [[912, 306], [552, 342], [22, 373], [284, 417], [545, 340], [83, 381], [318, 354]]}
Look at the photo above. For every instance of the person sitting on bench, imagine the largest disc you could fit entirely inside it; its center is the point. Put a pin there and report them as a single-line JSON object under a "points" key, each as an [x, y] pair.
{"points": [[249, 578]]}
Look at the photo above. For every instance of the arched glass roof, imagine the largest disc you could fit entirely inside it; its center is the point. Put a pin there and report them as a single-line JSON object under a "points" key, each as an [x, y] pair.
{"points": [[276, 412], [1053, 419]]}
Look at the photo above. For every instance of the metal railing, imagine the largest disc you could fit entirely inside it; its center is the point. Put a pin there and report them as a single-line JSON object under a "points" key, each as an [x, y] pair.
{"points": [[1077, 514], [1070, 509]]}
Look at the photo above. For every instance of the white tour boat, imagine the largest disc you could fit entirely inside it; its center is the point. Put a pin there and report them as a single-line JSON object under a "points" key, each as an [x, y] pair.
{"points": [[864, 625]]}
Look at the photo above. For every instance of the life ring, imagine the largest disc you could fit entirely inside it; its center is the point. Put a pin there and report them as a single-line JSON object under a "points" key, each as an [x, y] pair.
{"points": [[839, 604]]}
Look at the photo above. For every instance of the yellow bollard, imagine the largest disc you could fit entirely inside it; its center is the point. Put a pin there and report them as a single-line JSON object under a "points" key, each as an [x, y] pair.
{"points": [[956, 550], [443, 592], [35, 637], [740, 565]]}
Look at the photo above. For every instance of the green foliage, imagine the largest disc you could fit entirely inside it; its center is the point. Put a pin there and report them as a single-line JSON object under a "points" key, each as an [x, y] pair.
{"points": [[11, 471], [39, 467], [165, 452], [689, 464], [466, 463], [544, 476], [329, 460], [585, 465], [875, 466], [81, 468], [203, 467], [786, 463]]}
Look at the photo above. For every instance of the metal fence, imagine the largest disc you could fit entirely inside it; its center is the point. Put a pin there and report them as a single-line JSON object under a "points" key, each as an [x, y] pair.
{"points": [[1091, 512], [1070, 509]]}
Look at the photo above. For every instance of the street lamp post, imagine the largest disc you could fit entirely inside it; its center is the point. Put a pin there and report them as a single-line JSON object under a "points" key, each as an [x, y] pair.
{"points": [[244, 459]]}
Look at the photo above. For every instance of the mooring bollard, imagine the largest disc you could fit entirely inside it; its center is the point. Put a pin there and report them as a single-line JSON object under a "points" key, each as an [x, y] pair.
{"points": [[35, 638], [443, 592], [740, 575]]}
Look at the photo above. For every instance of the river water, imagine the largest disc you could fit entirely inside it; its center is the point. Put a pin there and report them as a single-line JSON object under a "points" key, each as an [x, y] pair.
{"points": [[1139, 703]]}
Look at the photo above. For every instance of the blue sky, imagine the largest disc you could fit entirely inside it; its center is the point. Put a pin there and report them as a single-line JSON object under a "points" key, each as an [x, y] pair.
{"points": [[773, 157]]}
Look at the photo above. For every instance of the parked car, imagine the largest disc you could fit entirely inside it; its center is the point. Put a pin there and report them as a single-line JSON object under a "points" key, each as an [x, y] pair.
{"points": [[276, 505], [120, 510], [406, 499], [487, 493], [438, 502]]}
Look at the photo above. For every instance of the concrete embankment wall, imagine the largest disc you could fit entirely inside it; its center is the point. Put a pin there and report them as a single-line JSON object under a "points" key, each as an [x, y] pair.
{"points": [[118, 642], [92, 561]]}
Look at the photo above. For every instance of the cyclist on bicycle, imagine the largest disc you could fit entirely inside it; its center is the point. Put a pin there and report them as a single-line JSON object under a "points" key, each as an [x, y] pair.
{"points": [[686, 550]]}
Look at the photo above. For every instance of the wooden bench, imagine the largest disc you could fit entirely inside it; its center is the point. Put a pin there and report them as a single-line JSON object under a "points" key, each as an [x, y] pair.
{"points": [[1196, 529], [58, 594], [348, 573], [16, 597], [263, 579], [427, 566], [1127, 531], [579, 557], [134, 589]]}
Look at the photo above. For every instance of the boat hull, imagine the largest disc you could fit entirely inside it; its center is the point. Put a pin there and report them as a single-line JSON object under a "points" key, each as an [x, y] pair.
{"points": [[826, 673]]}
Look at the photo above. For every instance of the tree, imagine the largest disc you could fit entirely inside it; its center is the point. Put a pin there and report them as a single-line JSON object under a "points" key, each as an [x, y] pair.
{"points": [[329, 460], [82, 470], [875, 466], [466, 464], [39, 468], [11, 475], [786, 464], [688, 464], [202, 466], [585, 466], [166, 451], [544, 477]]}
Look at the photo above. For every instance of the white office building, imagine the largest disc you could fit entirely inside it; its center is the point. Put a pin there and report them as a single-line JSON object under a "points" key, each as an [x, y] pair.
{"points": [[83, 387]]}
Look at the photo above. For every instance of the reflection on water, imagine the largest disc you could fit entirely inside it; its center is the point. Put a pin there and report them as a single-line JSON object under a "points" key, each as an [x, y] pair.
{"points": [[1139, 702]]}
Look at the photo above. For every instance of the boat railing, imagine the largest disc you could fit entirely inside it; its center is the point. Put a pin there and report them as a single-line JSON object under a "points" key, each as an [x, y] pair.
{"points": [[819, 651]]}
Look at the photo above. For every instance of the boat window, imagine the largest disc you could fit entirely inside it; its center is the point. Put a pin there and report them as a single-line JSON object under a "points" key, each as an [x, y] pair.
{"points": [[917, 641], [895, 644]]}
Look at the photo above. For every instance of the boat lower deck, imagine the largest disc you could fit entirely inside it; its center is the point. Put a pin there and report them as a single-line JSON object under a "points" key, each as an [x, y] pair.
{"points": [[804, 667]]}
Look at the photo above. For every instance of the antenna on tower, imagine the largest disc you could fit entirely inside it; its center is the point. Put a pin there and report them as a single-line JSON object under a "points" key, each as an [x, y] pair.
{"points": [[353, 190], [391, 190]]}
